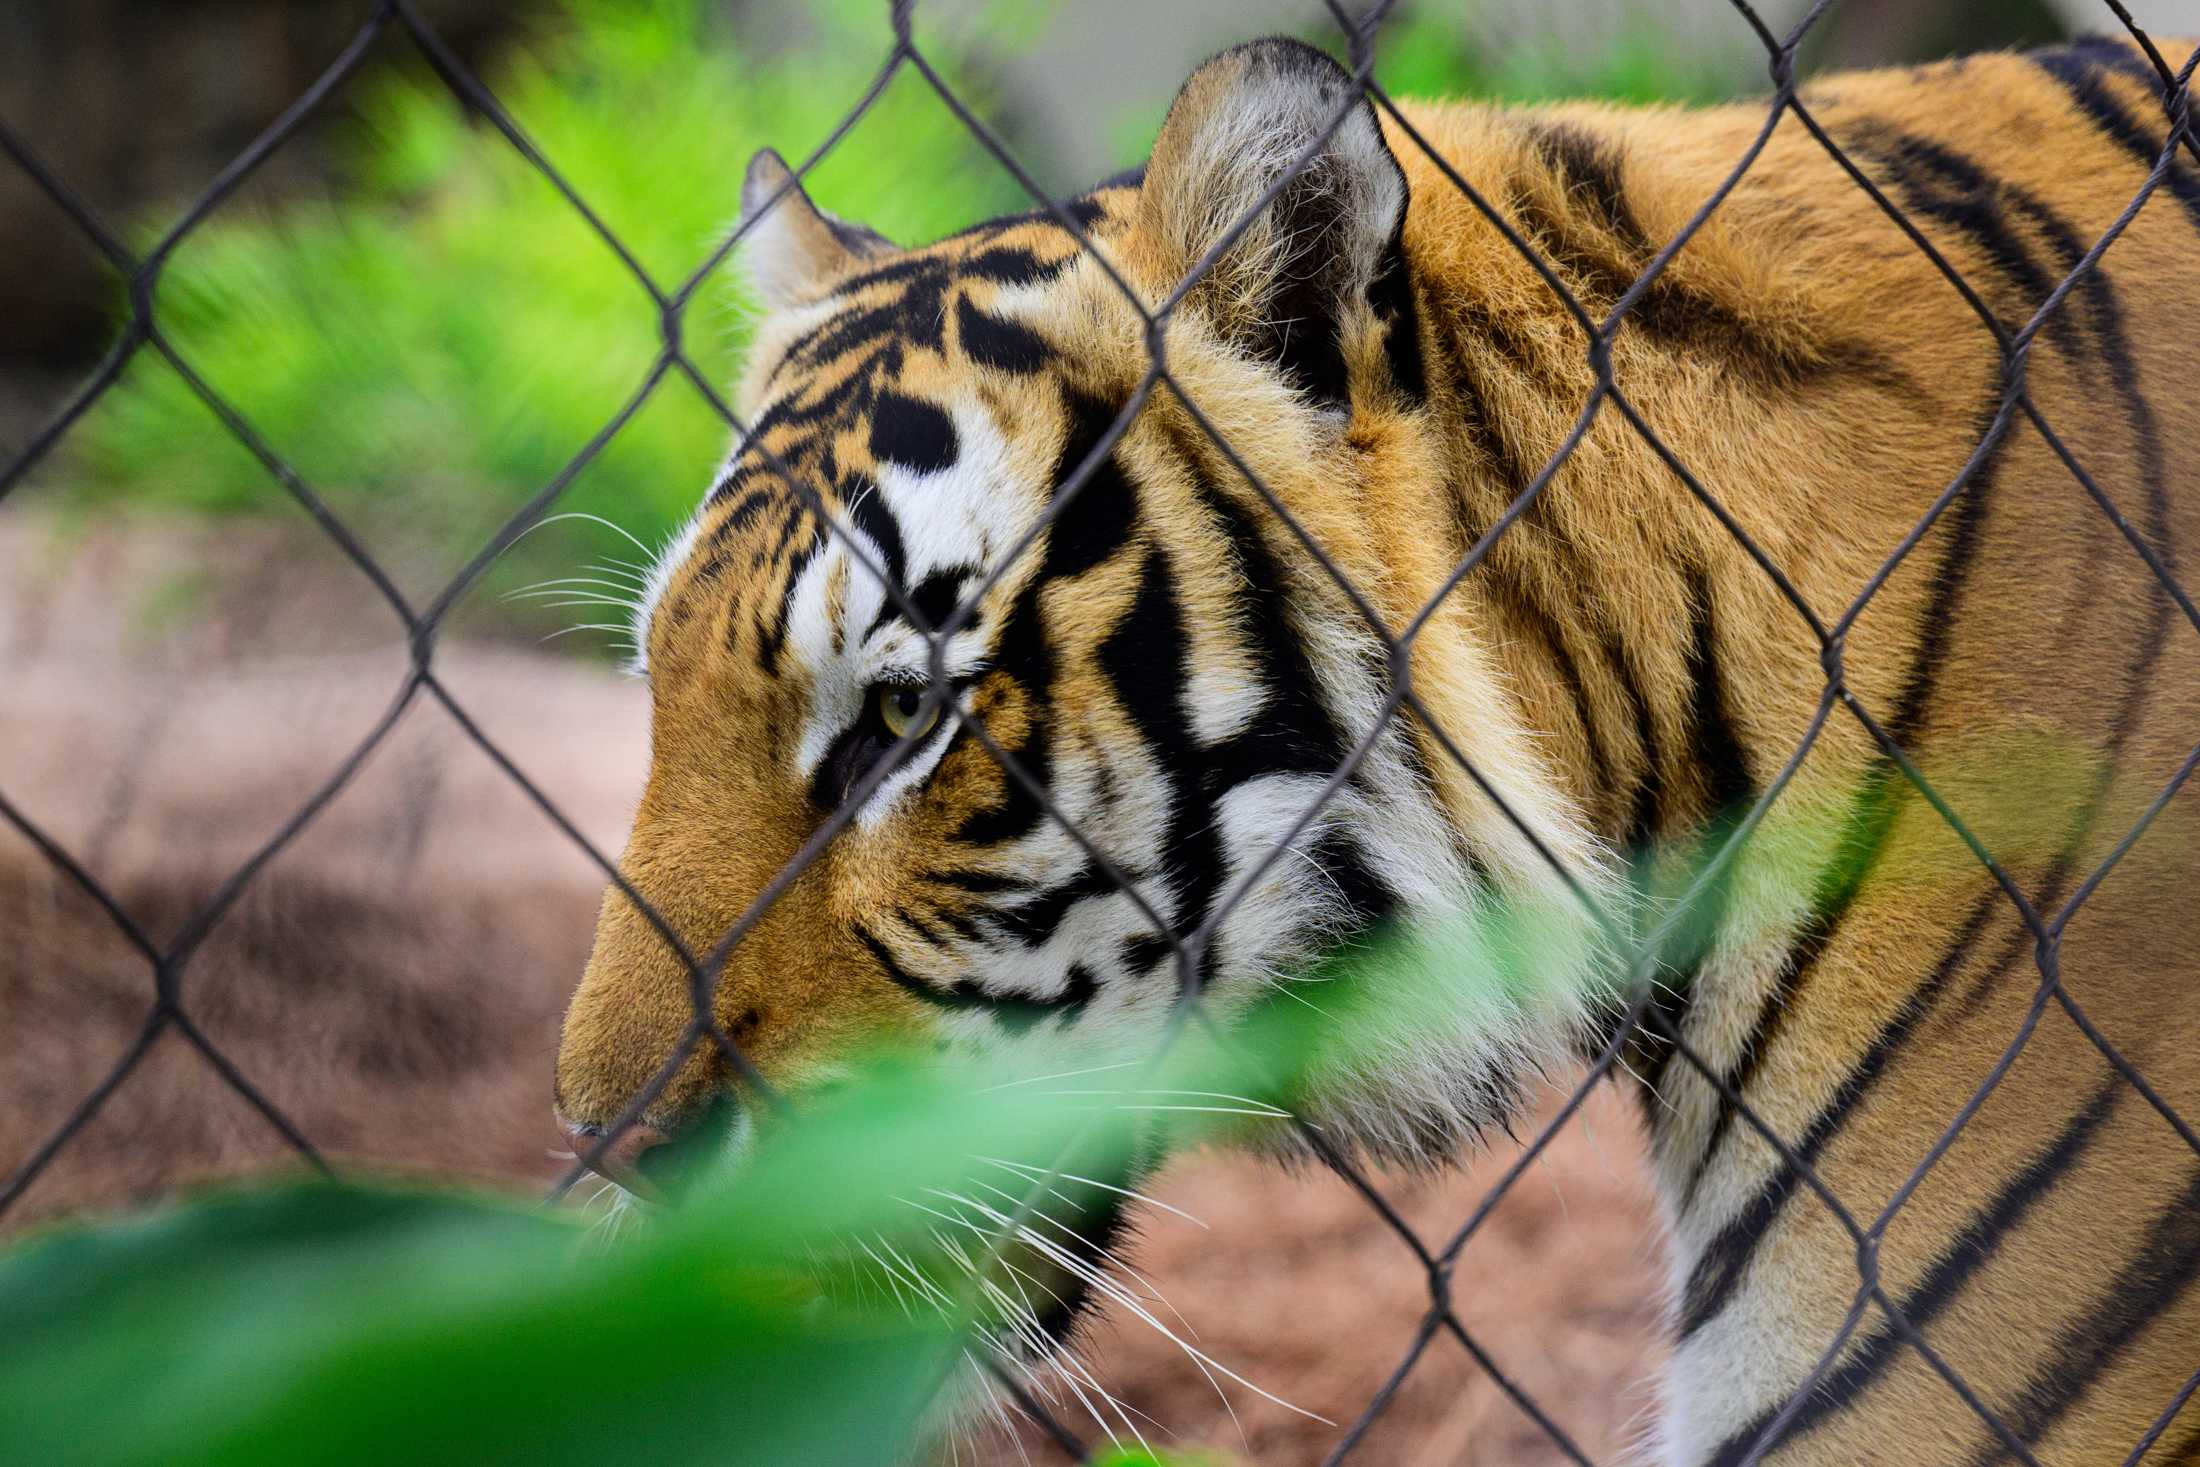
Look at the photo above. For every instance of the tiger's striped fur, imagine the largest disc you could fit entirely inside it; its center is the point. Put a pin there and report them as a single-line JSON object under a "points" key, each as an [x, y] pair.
{"points": [[1181, 676]]}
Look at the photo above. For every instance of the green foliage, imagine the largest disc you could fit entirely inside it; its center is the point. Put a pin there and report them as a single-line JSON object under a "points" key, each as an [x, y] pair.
{"points": [[335, 1324], [344, 1324], [338, 1324], [432, 344], [1429, 51]]}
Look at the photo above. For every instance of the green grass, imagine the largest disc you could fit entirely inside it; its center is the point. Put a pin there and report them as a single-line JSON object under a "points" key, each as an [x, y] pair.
{"points": [[435, 341]]}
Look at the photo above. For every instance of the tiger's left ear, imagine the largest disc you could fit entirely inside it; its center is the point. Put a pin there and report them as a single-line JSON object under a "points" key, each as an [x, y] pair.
{"points": [[1325, 255], [793, 248]]}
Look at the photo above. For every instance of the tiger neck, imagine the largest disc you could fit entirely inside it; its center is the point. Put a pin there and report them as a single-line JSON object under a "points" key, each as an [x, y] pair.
{"points": [[1604, 619]]}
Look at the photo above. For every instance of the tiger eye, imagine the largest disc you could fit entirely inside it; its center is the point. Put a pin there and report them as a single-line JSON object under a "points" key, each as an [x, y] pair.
{"points": [[901, 708]]}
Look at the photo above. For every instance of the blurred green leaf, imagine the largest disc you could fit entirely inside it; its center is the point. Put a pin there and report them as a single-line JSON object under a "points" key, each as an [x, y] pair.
{"points": [[333, 1324]]}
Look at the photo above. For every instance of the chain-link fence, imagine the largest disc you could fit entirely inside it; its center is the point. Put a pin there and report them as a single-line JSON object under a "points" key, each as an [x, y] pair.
{"points": [[1646, 1019]]}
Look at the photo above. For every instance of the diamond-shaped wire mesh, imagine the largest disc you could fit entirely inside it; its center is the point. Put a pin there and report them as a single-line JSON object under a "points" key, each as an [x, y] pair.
{"points": [[2044, 915]]}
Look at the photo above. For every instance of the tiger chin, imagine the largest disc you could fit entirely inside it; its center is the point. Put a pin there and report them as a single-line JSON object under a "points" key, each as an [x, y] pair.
{"points": [[970, 436]]}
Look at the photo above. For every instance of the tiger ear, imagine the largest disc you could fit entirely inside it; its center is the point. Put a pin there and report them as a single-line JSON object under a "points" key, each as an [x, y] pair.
{"points": [[793, 248], [1291, 284]]}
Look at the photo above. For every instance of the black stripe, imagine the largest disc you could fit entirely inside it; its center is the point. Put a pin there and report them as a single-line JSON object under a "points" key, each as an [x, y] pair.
{"points": [[1871, 815], [984, 883], [1592, 166], [1015, 265], [1943, 1283], [1476, 423], [955, 922], [1603, 249], [1729, 787], [1517, 597], [772, 632], [848, 325], [1647, 797], [1096, 524], [1862, 841], [2161, 1266], [959, 997], [1293, 733], [2117, 56], [1718, 1270], [1391, 297], [1144, 659], [2079, 71], [1035, 922], [1084, 210], [999, 342], [913, 433], [1142, 954], [1092, 528], [1079, 986], [1520, 606], [1367, 896], [909, 919], [1729, 792], [1024, 654], [913, 316], [867, 512], [1015, 1013]]}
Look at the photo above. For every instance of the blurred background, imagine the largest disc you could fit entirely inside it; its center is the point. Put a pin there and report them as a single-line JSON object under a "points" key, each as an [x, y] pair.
{"points": [[420, 327]]}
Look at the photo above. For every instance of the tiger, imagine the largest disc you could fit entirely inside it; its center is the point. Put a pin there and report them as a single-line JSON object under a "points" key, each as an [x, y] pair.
{"points": [[1199, 446]]}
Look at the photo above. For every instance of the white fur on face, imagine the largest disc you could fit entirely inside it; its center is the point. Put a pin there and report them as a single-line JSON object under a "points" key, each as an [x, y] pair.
{"points": [[952, 519]]}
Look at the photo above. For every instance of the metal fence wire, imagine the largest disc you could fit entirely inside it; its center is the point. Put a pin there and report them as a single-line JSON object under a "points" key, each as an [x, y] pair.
{"points": [[167, 962]]}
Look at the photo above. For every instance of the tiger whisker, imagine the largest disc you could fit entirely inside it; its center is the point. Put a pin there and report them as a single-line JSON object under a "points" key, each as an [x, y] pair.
{"points": [[1218, 1110], [564, 582], [1153, 1290], [1146, 1197], [1025, 1325], [581, 601], [582, 514], [1064, 1361], [1063, 1075], [916, 1279], [538, 593], [1073, 1367], [1100, 1282], [1202, 1094], [1000, 1411], [892, 1278], [1065, 1229]]}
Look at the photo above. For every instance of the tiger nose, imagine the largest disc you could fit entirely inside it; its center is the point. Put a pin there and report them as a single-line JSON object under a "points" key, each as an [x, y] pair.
{"points": [[621, 1158]]}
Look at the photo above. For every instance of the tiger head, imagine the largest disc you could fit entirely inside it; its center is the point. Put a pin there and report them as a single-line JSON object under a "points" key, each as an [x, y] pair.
{"points": [[1142, 677]]}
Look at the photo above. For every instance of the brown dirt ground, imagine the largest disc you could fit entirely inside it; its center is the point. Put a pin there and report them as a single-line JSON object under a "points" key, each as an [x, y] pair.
{"points": [[391, 981]]}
